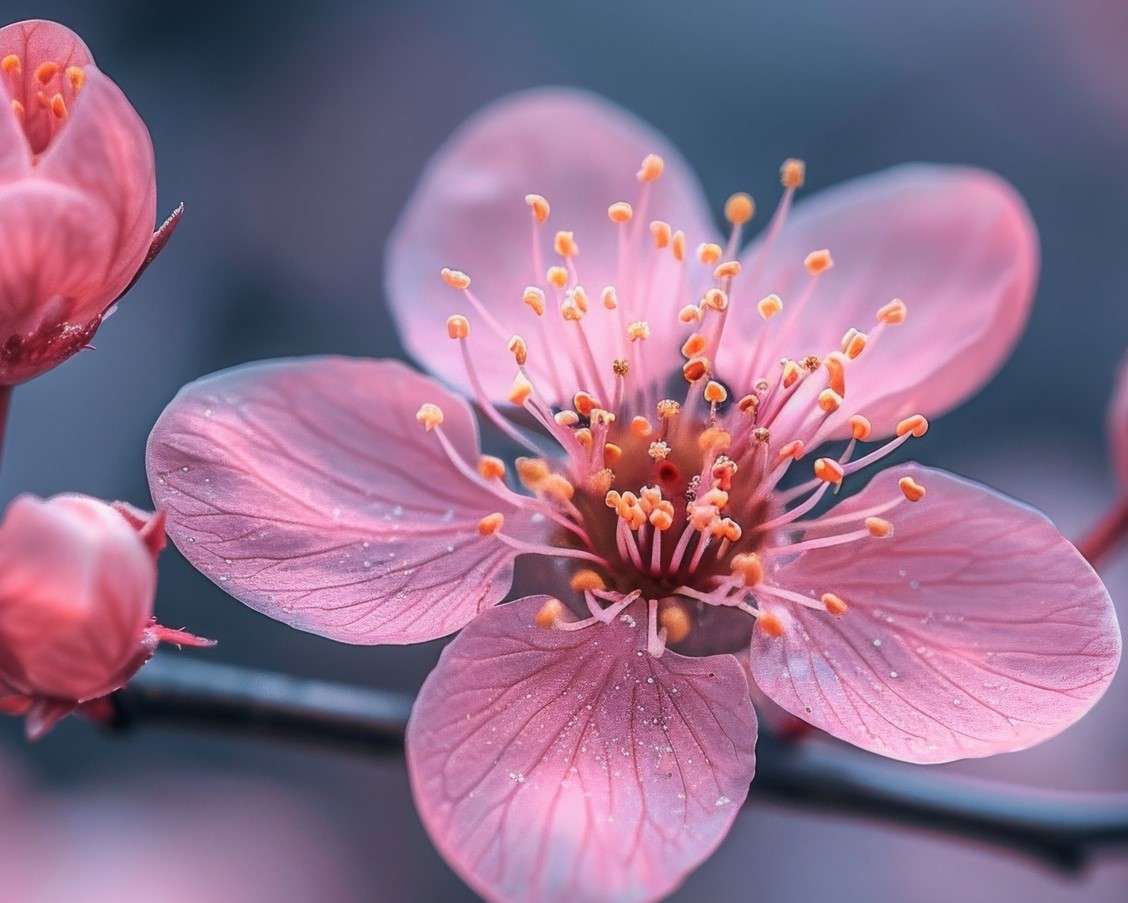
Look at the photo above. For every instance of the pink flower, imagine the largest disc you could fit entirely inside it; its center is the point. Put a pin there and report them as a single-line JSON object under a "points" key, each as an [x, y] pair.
{"points": [[77, 197], [598, 742], [77, 583]]}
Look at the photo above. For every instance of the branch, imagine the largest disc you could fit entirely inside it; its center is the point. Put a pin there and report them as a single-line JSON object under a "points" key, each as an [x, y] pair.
{"points": [[1062, 830]]}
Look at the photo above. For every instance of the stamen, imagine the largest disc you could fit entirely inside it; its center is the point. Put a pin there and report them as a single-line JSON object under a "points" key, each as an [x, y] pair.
{"points": [[834, 604], [532, 548], [550, 613], [620, 212], [44, 72], [675, 621], [793, 173], [709, 253], [491, 468], [539, 206], [661, 233], [739, 209], [879, 527], [565, 244], [430, 415], [76, 77], [769, 306], [651, 169], [11, 64], [917, 425], [59, 106], [585, 580], [911, 489], [893, 313], [730, 269], [860, 427], [655, 637], [491, 523], [829, 471], [818, 262], [534, 298]]}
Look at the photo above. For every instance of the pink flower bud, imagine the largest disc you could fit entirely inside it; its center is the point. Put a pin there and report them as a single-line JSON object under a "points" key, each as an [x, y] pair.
{"points": [[77, 197]]}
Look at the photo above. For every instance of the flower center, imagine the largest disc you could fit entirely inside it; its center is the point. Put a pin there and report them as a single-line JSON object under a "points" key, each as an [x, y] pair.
{"points": [[40, 96]]}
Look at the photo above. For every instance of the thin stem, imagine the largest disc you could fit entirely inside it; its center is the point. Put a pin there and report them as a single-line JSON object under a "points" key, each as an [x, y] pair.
{"points": [[5, 405], [1107, 533], [1062, 830]]}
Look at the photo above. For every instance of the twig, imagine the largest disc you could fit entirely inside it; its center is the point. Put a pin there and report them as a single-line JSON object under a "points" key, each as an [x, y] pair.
{"points": [[5, 405], [1106, 534], [1062, 830]]}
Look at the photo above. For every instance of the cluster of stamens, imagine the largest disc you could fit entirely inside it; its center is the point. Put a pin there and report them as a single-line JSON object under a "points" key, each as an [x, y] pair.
{"points": [[674, 503], [49, 93]]}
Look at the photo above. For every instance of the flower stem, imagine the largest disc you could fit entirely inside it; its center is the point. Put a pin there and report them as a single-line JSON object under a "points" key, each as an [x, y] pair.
{"points": [[5, 404], [1107, 533]]}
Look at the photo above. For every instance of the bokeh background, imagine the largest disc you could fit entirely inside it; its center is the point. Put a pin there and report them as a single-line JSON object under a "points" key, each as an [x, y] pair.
{"points": [[295, 132]]}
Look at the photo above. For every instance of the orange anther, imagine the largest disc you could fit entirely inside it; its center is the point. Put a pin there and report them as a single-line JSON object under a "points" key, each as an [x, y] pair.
{"points": [[565, 245], [853, 343], [769, 306], [829, 400], [695, 369], [18, 109], [893, 313], [638, 330], [748, 404], [795, 449], [834, 604], [76, 77], [458, 327], [534, 298], [59, 106], [715, 393], [532, 471], [661, 519], [609, 297], [641, 427], [585, 403], [558, 487], [612, 454], [660, 232], [539, 206], [791, 373], [520, 391], [829, 471], [739, 208], [714, 439], [835, 364], [818, 262], [566, 418], [44, 72], [727, 270], [491, 468], [455, 278], [748, 566], [556, 276], [430, 415], [715, 299], [911, 489], [549, 613], [694, 345], [709, 253], [651, 168], [677, 245], [771, 624], [674, 619], [879, 526], [586, 580], [620, 212], [917, 425], [519, 349], [491, 523], [691, 313], [860, 427], [11, 64], [793, 173]]}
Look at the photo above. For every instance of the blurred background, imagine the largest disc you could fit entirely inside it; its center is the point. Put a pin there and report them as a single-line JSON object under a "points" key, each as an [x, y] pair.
{"points": [[295, 137]]}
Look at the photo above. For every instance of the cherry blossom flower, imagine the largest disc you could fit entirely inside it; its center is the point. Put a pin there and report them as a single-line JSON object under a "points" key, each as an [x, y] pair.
{"points": [[77, 583], [598, 742], [77, 197]]}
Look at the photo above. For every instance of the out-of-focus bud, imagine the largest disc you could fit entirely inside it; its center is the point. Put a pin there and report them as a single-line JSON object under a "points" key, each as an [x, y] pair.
{"points": [[77, 197], [78, 578]]}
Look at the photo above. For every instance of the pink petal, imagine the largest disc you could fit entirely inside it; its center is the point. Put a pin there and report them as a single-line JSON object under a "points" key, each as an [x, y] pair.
{"points": [[570, 765], [956, 245], [468, 213], [307, 490], [975, 629], [1118, 425], [76, 592]]}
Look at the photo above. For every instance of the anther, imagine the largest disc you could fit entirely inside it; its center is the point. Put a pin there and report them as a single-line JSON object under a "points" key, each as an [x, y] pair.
{"points": [[638, 330], [651, 168], [458, 327], [834, 604], [793, 173], [520, 391], [59, 106], [660, 232], [739, 208], [749, 567], [860, 427], [567, 418], [795, 449], [893, 313], [549, 613], [519, 349], [709, 253], [659, 451], [818, 262], [612, 499], [491, 468], [675, 622], [727, 270], [829, 471], [76, 77], [534, 298], [853, 343], [835, 365], [18, 109], [532, 471], [455, 278], [620, 212], [609, 297], [11, 64], [917, 425], [715, 393], [677, 246], [44, 72], [430, 415], [769, 306], [829, 400], [770, 623], [911, 489], [539, 206], [641, 427], [748, 404], [558, 487], [620, 366], [491, 523], [695, 369], [715, 299], [601, 481], [612, 454], [584, 437], [762, 434], [879, 527], [586, 580], [714, 439], [791, 373], [691, 313], [694, 345], [662, 518], [570, 310], [667, 408], [579, 295], [565, 245], [556, 276], [584, 403]]}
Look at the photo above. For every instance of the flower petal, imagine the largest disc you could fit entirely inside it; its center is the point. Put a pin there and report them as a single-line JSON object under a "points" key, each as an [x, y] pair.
{"points": [[570, 765], [975, 629], [957, 245], [307, 490], [468, 213], [1118, 425]]}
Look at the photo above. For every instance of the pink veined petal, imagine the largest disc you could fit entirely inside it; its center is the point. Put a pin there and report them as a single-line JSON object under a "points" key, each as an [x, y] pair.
{"points": [[957, 245], [15, 154], [106, 153], [975, 629], [1118, 425], [307, 490], [579, 151], [570, 765]]}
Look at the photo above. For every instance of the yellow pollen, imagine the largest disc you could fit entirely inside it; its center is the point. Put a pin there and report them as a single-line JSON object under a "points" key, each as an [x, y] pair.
{"points": [[829, 471], [649, 498], [714, 439], [739, 208], [727, 528], [749, 566], [829, 400], [586, 580], [76, 77], [579, 295], [691, 313], [584, 437], [620, 212], [601, 481], [818, 262], [539, 206], [794, 449], [727, 270], [660, 232], [668, 408], [549, 613], [677, 246], [567, 418], [638, 330], [18, 109], [612, 454], [584, 403], [893, 313], [715, 299], [911, 489], [695, 369], [532, 471], [709, 253], [834, 604], [694, 345], [879, 526], [519, 349], [491, 523], [659, 451], [557, 487], [600, 417], [59, 106], [793, 173], [651, 168], [620, 366], [609, 297], [791, 373], [661, 519], [769, 306], [556, 276], [917, 425], [570, 310], [44, 72], [430, 415], [534, 298], [455, 278], [860, 427], [675, 621], [520, 391], [770, 623], [491, 468], [854, 343], [715, 393], [641, 427], [565, 244], [11, 64], [458, 327], [718, 498], [835, 364]]}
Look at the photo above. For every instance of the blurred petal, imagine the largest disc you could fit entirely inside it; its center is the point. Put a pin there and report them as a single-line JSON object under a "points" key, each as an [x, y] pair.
{"points": [[307, 490], [975, 629], [570, 765], [582, 154], [1118, 425], [956, 245]]}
